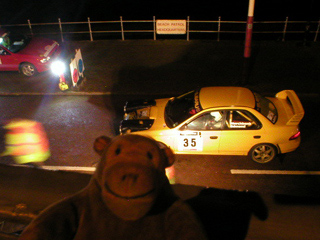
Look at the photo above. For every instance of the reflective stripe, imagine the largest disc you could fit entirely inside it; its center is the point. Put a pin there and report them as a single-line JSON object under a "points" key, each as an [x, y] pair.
{"points": [[16, 123], [25, 149], [25, 138], [36, 157]]}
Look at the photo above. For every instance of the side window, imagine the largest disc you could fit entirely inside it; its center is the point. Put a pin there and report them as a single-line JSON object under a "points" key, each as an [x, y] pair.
{"points": [[208, 121], [238, 119], [2, 51]]}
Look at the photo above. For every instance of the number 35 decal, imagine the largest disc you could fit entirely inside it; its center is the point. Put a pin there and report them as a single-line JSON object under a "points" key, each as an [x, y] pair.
{"points": [[190, 143]]}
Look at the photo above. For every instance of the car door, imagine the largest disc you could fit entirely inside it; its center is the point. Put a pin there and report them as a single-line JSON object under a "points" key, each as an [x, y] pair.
{"points": [[201, 135], [7, 61], [241, 131]]}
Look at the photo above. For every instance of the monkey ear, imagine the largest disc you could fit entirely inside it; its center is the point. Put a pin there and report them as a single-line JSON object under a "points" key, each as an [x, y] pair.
{"points": [[168, 153], [101, 143], [170, 157]]}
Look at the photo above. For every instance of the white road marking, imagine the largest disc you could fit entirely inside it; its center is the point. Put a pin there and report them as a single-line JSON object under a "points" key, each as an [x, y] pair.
{"points": [[69, 168], [63, 168], [273, 172]]}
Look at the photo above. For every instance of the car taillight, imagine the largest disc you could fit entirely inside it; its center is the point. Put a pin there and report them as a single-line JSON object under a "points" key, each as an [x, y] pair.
{"points": [[295, 136]]}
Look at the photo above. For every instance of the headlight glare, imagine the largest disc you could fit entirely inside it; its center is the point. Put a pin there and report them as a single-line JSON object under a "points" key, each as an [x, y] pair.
{"points": [[58, 67]]}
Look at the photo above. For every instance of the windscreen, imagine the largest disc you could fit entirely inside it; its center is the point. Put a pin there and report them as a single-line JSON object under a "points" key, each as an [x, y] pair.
{"points": [[180, 108]]}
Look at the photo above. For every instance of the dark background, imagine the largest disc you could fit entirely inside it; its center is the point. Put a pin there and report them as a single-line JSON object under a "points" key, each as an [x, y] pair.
{"points": [[40, 11]]}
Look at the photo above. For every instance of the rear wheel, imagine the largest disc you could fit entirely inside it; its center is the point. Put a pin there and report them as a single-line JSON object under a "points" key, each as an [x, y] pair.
{"points": [[28, 69], [263, 153]]}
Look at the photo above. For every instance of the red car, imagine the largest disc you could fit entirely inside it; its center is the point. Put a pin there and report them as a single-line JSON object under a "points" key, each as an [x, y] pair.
{"points": [[25, 54]]}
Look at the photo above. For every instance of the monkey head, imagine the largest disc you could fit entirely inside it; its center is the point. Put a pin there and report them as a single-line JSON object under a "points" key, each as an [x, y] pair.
{"points": [[131, 174]]}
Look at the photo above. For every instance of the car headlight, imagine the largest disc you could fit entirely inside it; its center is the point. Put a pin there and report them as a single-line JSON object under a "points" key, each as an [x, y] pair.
{"points": [[44, 60]]}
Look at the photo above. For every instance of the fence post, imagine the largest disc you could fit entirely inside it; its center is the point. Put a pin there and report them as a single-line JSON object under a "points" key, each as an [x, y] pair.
{"points": [[154, 28], [219, 27], [285, 29], [188, 27], [60, 26], [30, 27], [90, 31], [122, 33], [316, 36]]}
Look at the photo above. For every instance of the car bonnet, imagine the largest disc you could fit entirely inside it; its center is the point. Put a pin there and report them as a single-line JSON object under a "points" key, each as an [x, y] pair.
{"points": [[40, 47]]}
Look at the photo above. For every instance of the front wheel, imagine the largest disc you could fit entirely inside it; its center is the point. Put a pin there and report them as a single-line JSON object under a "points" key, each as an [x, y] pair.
{"points": [[28, 69], [263, 153]]}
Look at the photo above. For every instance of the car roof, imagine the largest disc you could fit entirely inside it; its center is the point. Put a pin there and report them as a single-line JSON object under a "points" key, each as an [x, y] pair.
{"points": [[226, 97]]}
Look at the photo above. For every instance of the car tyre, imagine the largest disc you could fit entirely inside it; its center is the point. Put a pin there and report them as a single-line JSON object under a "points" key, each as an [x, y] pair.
{"points": [[28, 69], [263, 153]]}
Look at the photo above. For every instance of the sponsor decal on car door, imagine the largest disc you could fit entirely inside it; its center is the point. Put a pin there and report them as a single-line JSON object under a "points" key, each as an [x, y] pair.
{"points": [[190, 141]]}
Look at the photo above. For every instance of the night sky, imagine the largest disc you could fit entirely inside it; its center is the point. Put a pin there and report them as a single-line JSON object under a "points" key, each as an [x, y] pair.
{"points": [[40, 11]]}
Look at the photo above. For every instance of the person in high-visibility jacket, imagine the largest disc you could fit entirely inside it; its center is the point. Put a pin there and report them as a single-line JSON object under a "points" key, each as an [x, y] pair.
{"points": [[26, 141]]}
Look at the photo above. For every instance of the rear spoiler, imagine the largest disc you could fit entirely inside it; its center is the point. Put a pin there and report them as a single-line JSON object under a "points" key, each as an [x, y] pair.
{"points": [[294, 101]]}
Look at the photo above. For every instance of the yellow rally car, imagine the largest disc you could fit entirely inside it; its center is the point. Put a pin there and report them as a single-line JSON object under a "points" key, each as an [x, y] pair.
{"points": [[220, 121]]}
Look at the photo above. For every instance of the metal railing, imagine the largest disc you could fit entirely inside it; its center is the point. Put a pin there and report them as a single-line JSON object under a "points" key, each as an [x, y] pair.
{"points": [[195, 29]]}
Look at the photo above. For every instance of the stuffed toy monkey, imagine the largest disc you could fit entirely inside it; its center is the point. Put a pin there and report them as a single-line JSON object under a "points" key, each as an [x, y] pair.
{"points": [[128, 197]]}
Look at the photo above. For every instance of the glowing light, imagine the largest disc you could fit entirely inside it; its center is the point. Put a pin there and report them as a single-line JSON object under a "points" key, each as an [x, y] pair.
{"points": [[58, 67], [295, 136]]}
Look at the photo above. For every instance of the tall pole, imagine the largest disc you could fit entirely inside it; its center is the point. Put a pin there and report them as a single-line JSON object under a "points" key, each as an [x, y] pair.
{"points": [[247, 48]]}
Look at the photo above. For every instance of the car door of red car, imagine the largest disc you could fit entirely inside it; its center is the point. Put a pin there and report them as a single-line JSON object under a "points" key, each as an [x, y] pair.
{"points": [[8, 61]]}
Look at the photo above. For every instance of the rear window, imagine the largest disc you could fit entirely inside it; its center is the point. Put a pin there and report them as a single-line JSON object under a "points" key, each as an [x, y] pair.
{"points": [[266, 108]]}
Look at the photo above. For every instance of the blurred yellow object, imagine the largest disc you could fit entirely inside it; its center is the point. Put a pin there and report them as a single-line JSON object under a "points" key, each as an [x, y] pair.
{"points": [[63, 86], [26, 141], [171, 175]]}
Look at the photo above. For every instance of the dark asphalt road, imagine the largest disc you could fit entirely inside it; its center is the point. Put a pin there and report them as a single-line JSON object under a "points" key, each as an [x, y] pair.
{"points": [[176, 66]]}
